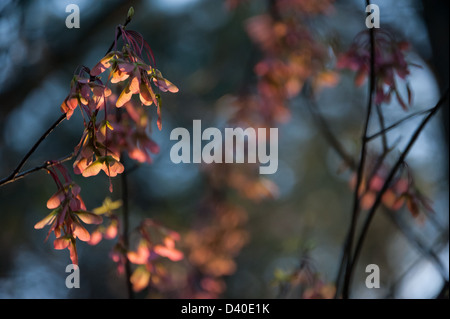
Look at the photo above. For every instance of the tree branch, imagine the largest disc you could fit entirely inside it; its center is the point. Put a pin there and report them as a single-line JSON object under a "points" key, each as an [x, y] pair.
{"points": [[390, 127], [359, 174], [44, 166], [125, 235], [328, 134], [386, 185], [438, 243], [383, 128], [15, 173], [418, 244]]}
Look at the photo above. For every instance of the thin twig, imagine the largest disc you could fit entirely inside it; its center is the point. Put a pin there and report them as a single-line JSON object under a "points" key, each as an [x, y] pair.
{"points": [[383, 128], [44, 166], [328, 134], [15, 172], [304, 267], [390, 127], [125, 230], [125, 204], [438, 243], [119, 33], [380, 159], [417, 243]]}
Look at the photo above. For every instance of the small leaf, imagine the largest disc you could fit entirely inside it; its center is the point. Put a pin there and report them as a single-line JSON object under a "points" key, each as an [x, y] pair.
{"points": [[80, 232], [141, 256], [118, 76], [169, 252], [104, 64], [146, 94], [61, 243], [134, 84], [93, 169], [48, 219], [80, 165], [109, 125], [96, 237], [111, 231], [126, 67], [163, 84], [56, 199], [401, 102], [124, 97], [140, 278], [130, 13], [112, 168], [88, 217], [100, 90], [108, 206]]}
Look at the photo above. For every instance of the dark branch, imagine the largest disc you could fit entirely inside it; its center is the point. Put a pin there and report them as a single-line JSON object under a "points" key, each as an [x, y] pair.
{"points": [[428, 253], [44, 166], [390, 127], [388, 180], [15, 172], [359, 174], [438, 244], [125, 230], [328, 134]]}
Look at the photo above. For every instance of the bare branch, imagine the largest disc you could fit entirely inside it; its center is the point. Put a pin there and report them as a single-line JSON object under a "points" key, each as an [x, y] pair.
{"points": [[390, 127], [387, 182], [359, 174], [15, 172]]}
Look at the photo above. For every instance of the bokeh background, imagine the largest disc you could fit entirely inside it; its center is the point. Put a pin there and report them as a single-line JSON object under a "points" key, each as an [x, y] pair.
{"points": [[202, 46]]}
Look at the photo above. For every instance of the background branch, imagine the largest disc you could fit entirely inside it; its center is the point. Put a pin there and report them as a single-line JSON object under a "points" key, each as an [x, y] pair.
{"points": [[417, 243], [386, 185], [125, 230], [438, 243], [347, 257], [15, 172], [390, 127], [325, 130]]}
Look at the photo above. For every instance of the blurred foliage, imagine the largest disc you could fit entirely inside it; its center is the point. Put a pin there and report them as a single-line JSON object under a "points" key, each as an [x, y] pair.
{"points": [[203, 47]]}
